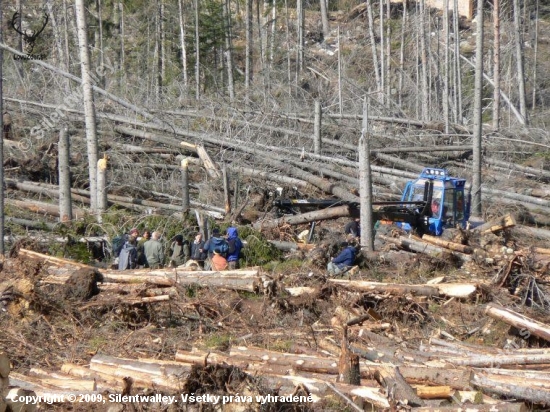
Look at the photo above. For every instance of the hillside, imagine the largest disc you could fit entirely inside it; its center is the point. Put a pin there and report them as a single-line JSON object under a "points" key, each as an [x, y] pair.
{"points": [[428, 306]]}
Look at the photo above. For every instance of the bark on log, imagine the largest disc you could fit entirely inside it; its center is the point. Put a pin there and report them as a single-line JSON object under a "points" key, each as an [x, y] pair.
{"points": [[4, 365], [497, 224], [519, 321], [455, 378], [434, 392], [396, 386], [457, 247], [330, 213], [500, 407], [103, 380], [52, 259], [425, 248], [167, 376], [14, 398], [31, 224], [320, 388], [127, 301], [240, 279], [42, 207], [56, 381], [531, 232], [511, 388], [348, 364], [290, 246], [212, 169], [269, 176], [448, 289], [496, 360]]}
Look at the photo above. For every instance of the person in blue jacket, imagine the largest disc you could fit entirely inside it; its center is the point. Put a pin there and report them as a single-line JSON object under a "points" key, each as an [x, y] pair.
{"points": [[235, 246], [345, 259]]}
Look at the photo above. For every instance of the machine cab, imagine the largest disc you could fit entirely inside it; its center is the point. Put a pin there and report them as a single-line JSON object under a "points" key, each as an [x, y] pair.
{"points": [[449, 207]]}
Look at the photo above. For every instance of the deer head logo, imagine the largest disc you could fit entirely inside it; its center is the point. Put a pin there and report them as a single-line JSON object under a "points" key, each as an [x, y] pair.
{"points": [[29, 35]]}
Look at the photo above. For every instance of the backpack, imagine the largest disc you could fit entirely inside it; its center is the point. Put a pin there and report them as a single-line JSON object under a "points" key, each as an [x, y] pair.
{"points": [[219, 243], [118, 243]]}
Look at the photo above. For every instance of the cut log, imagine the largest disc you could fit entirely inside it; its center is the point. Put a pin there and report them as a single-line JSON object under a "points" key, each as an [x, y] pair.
{"points": [[348, 364], [458, 290], [126, 301], [330, 213], [211, 168], [103, 380], [378, 287], [531, 232], [47, 258], [42, 207], [434, 392], [519, 321], [500, 407], [320, 388], [4, 365], [419, 246], [290, 246], [511, 388], [398, 389], [455, 378], [457, 247], [144, 374], [495, 360], [15, 400], [497, 224], [302, 291]]}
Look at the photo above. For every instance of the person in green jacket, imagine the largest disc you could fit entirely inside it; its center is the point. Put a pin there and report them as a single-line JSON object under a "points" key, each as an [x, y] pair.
{"points": [[179, 251], [154, 251]]}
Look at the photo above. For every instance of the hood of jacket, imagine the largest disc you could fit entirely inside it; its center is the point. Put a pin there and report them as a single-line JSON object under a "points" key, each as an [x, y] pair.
{"points": [[232, 233]]}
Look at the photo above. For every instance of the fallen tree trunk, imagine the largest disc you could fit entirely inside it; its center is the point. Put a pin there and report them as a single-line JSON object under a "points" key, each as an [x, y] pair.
{"points": [[391, 379], [448, 289], [497, 224], [457, 247], [532, 232], [4, 365], [15, 400], [330, 213], [511, 388], [55, 260], [42, 207], [290, 246], [102, 379], [127, 301], [500, 407], [239, 279], [519, 321]]}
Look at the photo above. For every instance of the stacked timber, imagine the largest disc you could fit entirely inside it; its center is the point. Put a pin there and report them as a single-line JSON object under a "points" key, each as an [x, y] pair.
{"points": [[13, 395], [149, 286], [387, 373]]}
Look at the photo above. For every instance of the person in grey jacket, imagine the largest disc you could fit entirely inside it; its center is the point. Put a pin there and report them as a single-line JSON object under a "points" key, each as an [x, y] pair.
{"points": [[154, 251], [128, 255]]}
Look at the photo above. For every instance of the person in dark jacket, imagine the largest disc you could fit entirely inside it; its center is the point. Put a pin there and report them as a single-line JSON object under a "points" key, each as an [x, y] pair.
{"points": [[353, 228], [198, 253], [217, 241], [142, 260], [345, 259], [179, 251], [128, 255], [235, 246]]}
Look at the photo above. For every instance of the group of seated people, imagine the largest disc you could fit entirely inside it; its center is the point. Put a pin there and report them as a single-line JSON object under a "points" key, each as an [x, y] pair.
{"points": [[148, 251]]}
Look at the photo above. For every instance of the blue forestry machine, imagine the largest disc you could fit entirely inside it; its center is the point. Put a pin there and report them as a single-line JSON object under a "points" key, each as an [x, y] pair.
{"points": [[429, 204]]}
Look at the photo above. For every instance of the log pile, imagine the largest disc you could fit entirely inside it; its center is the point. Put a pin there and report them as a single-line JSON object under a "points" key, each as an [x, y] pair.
{"points": [[460, 373], [149, 286], [12, 393]]}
